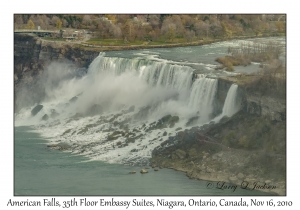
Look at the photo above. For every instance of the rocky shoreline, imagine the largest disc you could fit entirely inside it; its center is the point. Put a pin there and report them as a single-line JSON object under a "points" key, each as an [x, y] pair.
{"points": [[208, 169], [202, 155]]}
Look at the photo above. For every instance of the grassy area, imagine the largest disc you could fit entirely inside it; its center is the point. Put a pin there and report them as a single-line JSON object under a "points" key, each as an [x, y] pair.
{"points": [[121, 42], [54, 39], [112, 42], [230, 61]]}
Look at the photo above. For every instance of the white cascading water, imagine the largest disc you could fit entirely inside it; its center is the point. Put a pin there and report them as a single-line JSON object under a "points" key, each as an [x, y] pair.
{"points": [[202, 96], [133, 94], [230, 105]]}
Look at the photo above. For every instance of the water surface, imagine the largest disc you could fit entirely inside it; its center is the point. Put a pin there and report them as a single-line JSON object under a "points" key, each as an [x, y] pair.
{"points": [[41, 171]]}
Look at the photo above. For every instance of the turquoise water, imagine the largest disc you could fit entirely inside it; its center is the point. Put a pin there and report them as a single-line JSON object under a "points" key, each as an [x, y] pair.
{"points": [[41, 171]]}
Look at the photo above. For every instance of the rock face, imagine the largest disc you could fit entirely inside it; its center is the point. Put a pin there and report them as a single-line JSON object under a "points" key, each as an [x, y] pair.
{"points": [[273, 108], [32, 55], [260, 105]]}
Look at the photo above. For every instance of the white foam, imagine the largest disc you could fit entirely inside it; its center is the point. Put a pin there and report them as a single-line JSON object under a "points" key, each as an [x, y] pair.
{"points": [[116, 84]]}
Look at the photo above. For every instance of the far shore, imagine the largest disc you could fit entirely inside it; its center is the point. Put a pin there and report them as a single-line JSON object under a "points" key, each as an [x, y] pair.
{"points": [[103, 48]]}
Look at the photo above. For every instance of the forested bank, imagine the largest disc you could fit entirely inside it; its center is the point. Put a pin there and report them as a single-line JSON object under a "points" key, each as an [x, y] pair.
{"points": [[164, 28]]}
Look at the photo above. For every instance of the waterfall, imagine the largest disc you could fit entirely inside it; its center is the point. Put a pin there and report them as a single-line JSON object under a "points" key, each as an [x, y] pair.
{"points": [[202, 96], [230, 105], [114, 112]]}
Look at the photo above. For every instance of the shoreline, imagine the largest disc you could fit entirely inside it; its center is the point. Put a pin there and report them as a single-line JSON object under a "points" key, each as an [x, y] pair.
{"points": [[217, 181], [227, 166], [103, 48]]}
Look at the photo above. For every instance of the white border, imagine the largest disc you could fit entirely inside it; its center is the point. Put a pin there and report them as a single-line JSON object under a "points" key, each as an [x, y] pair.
{"points": [[135, 7]]}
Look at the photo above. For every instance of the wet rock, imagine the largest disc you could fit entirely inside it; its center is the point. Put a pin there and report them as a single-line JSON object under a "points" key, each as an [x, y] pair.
{"points": [[165, 133], [36, 109], [74, 99], [224, 119], [155, 169], [67, 131], [45, 117], [192, 121], [132, 172], [134, 150], [60, 146], [143, 171]]}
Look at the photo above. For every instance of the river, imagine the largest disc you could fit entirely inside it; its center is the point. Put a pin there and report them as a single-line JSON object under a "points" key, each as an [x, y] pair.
{"points": [[42, 171]]}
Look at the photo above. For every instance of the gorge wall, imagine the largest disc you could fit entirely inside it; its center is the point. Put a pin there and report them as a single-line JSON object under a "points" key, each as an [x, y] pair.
{"points": [[252, 102], [32, 55]]}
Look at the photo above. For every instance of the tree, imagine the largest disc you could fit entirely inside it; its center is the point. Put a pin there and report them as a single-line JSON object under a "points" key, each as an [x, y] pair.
{"points": [[58, 24], [226, 30], [53, 21], [175, 23], [216, 29], [201, 28], [46, 21], [258, 26], [112, 18], [114, 31], [30, 24], [38, 21], [170, 35], [127, 30], [64, 23], [154, 21], [189, 35], [18, 21], [86, 20], [280, 26], [76, 24], [154, 34]]}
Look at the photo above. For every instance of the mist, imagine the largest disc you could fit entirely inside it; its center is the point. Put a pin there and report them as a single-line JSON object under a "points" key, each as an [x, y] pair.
{"points": [[117, 101]]}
